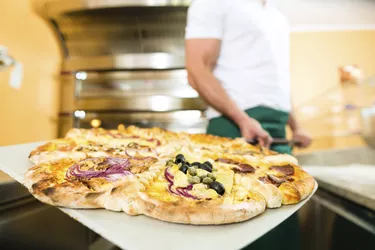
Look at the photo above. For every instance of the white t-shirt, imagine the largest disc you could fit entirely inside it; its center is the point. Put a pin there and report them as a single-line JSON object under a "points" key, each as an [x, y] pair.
{"points": [[253, 65]]}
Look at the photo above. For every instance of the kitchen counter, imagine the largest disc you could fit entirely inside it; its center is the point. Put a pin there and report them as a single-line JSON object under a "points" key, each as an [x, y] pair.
{"points": [[355, 182], [349, 172]]}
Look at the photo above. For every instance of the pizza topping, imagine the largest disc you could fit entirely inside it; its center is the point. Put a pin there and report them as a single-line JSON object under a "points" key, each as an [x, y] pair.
{"points": [[195, 164], [192, 171], [206, 167], [201, 173], [105, 167], [275, 180], [180, 158], [207, 180], [180, 180], [212, 176], [240, 167], [194, 180], [218, 187], [226, 178], [134, 150], [201, 191], [286, 169], [208, 164], [158, 143], [181, 191], [244, 168], [184, 167], [169, 163]]}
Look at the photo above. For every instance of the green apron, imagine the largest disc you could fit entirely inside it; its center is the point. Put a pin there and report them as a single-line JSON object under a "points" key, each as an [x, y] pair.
{"points": [[274, 122]]}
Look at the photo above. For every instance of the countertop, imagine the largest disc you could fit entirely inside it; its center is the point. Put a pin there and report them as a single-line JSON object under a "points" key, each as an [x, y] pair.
{"points": [[355, 182]]}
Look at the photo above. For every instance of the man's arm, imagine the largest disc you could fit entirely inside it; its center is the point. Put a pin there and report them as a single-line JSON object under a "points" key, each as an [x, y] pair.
{"points": [[201, 58]]}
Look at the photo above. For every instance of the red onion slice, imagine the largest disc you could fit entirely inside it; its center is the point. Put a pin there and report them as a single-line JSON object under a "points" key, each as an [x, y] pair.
{"points": [[178, 191], [168, 176], [113, 169]]}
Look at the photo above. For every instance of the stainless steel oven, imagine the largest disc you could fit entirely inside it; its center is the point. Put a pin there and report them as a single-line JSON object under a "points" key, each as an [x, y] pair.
{"points": [[124, 64]]}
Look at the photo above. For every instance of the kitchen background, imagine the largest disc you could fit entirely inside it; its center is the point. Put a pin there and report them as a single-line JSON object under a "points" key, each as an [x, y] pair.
{"points": [[325, 36]]}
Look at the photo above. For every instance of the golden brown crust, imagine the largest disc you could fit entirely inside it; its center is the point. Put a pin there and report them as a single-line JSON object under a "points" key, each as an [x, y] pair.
{"points": [[48, 183], [200, 213]]}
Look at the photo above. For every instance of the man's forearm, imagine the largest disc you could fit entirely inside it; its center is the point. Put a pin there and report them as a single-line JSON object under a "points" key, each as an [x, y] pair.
{"points": [[214, 94]]}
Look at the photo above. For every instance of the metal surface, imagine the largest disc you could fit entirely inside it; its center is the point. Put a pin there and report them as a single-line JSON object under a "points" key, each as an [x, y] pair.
{"points": [[368, 125], [125, 62], [125, 84], [115, 38], [278, 141], [56, 8], [135, 104], [358, 215]]}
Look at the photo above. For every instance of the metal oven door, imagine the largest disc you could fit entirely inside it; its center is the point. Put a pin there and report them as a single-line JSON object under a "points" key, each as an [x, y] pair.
{"points": [[156, 90]]}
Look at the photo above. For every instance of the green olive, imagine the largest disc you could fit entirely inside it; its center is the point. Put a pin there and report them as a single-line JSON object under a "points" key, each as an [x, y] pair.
{"points": [[211, 176], [194, 180], [192, 171], [170, 163], [207, 181]]}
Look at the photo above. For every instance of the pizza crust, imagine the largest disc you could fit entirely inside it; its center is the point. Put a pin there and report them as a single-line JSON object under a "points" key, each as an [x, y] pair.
{"points": [[199, 213]]}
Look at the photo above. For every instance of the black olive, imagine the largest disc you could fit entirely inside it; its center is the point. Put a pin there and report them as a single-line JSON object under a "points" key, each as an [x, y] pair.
{"points": [[205, 167], [208, 163], [195, 164], [184, 168], [180, 159], [218, 187], [187, 163]]}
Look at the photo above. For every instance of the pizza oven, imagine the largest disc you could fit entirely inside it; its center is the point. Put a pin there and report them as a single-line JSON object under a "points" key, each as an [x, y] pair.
{"points": [[124, 64]]}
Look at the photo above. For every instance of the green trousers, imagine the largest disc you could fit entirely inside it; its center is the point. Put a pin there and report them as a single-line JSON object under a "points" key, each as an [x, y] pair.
{"points": [[287, 234]]}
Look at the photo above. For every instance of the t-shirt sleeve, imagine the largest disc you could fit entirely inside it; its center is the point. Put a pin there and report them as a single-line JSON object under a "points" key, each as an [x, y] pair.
{"points": [[204, 20]]}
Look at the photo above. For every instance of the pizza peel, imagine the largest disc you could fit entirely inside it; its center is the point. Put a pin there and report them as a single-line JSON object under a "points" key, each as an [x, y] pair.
{"points": [[141, 232]]}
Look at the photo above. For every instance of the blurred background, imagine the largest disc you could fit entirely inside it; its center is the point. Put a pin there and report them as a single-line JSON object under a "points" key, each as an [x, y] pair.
{"points": [[109, 63]]}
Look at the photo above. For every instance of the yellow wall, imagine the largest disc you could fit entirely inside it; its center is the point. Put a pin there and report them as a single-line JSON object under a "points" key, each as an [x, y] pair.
{"points": [[315, 59], [28, 114]]}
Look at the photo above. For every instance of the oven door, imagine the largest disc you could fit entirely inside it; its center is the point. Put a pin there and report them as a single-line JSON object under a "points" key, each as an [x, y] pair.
{"points": [[156, 90]]}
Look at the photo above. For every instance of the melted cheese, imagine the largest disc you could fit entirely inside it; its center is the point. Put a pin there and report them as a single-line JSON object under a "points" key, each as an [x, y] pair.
{"points": [[159, 191], [246, 182], [240, 193], [180, 180], [226, 178], [201, 191]]}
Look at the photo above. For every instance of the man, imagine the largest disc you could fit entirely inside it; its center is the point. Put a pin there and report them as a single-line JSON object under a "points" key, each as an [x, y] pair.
{"points": [[237, 57]]}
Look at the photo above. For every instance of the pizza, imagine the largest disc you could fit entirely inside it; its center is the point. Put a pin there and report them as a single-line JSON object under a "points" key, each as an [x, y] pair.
{"points": [[176, 177]]}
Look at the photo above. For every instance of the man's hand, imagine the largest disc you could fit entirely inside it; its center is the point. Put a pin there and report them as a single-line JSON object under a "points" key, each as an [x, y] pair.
{"points": [[251, 129], [302, 137]]}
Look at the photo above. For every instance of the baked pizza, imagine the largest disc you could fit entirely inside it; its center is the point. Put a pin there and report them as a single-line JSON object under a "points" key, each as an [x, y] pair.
{"points": [[174, 177]]}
